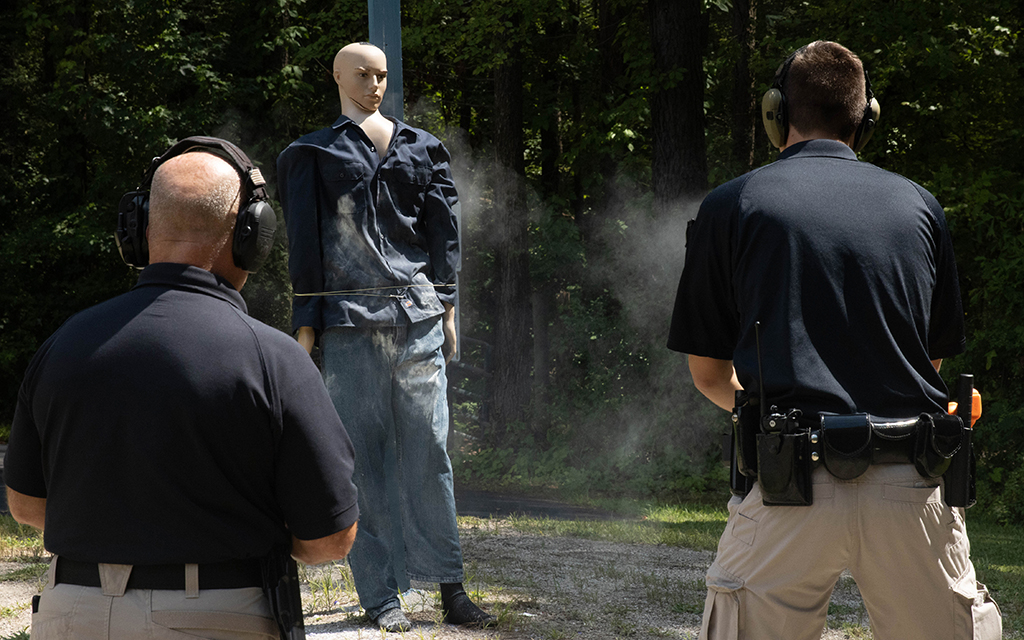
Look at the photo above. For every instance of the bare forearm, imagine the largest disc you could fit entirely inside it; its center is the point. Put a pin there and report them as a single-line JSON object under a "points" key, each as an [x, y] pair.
{"points": [[27, 509], [716, 379], [321, 550]]}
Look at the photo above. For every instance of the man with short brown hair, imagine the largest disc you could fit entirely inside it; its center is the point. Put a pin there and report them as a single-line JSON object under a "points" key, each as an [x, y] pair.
{"points": [[828, 287]]}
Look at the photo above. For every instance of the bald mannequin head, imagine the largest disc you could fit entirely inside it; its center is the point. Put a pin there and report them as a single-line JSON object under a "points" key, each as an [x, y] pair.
{"points": [[193, 204], [361, 71]]}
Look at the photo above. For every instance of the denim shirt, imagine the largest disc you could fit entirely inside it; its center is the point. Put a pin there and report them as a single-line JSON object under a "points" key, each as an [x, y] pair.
{"points": [[376, 241]]}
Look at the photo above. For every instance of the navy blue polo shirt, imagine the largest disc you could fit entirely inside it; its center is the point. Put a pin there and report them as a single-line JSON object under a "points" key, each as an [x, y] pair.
{"points": [[848, 268], [167, 426]]}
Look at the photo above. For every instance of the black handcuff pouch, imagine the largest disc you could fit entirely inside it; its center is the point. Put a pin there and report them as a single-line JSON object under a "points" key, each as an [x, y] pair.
{"points": [[783, 461], [846, 444], [938, 439]]}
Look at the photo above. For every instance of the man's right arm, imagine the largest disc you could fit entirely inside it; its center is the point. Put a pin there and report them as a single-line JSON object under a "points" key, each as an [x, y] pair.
{"points": [[314, 462], [333, 547], [716, 379], [27, 509]]}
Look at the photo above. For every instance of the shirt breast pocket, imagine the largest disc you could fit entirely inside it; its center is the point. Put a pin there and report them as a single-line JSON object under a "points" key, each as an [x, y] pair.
{"points": [[410, 181], [344, 183]]}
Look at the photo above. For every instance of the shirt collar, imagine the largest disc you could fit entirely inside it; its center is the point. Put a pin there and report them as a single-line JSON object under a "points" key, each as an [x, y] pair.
{"points": [[187, 277], [400, 127], [819, 148]]}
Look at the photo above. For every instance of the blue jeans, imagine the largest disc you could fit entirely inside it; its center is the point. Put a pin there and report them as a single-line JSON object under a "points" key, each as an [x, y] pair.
{"points": [[390, 383]]}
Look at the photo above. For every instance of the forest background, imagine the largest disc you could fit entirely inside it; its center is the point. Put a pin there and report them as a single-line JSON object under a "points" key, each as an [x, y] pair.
{"points": [[584, 134]]}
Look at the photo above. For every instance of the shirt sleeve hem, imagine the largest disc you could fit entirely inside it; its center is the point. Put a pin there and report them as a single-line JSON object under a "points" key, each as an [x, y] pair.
{"points": [[326, 527]]}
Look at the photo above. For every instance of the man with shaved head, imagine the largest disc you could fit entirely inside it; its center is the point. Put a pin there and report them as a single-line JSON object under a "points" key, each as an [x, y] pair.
{"points": [[373, 252], [167, 443]]}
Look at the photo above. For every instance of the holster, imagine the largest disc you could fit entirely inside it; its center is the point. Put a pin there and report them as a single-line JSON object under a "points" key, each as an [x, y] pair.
{"points": [[783, 460], [959, 489], [959, 477], [281, 586]]}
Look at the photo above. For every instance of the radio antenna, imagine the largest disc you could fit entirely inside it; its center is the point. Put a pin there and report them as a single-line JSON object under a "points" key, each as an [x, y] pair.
{"points": [[760, 370]]}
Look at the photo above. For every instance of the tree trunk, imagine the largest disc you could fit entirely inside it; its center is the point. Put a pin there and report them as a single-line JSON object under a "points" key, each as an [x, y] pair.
{"points": [[513, 309], [610, 15], [678, 35], [744, 108]]}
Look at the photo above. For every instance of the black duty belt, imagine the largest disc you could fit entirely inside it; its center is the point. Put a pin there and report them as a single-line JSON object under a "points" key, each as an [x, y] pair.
{"points": [[233, 574]]}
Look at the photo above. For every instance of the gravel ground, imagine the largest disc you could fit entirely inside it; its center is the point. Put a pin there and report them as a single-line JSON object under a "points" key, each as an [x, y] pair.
{"points": [[543, 588], [551, 588]]}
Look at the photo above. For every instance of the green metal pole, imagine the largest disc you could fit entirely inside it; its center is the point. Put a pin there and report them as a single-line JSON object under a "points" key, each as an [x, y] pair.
{"points": [[386, 33]]}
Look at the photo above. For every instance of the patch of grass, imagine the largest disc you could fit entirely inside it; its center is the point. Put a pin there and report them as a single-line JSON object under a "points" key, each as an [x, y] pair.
{"points": [[695, 607], [330, 585], [998, 554], [837, 609], [20, 542], [34, 571], [855, 631], [693, 527], [21, 635], [10, 612], [623, 627]]}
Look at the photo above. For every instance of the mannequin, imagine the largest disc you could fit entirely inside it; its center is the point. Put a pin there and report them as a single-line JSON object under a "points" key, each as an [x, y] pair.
{"points": [[373, 247], [361, 72]]}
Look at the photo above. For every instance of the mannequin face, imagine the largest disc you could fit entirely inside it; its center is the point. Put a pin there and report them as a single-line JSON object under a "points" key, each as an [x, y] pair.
{"points": [[361, 71]]}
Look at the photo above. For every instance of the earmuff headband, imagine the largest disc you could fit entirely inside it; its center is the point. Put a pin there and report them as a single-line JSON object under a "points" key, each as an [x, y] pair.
{"points": [[774, 110], [255, 223]]}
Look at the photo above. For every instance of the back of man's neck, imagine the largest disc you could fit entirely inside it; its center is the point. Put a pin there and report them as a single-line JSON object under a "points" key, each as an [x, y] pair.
{"points": [[796, 137]]}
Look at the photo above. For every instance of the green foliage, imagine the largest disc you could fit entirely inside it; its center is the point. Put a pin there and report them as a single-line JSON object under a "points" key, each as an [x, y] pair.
{"points": [[91, 91]]}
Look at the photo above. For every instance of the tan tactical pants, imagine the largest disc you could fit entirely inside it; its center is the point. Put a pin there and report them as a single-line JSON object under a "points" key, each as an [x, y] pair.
{"points": [[110, 612], [907, 551]]}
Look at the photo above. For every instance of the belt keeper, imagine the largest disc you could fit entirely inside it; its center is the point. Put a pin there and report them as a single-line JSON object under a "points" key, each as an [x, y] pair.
{"points": [[114, 578], [191, 580]]}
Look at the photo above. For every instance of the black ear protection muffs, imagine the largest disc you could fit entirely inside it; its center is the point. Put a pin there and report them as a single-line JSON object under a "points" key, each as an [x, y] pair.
{"points": [[776, 119], [255, 225]]}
